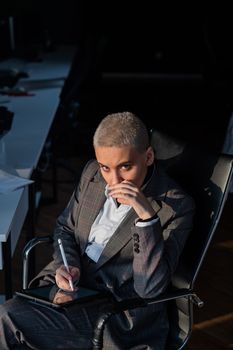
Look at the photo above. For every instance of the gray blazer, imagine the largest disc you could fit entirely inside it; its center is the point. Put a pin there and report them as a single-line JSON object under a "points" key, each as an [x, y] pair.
{"points": [[135, 262]]}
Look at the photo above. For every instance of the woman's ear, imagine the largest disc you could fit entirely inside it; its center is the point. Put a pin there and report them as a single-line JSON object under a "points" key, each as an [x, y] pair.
{"points": [[150, 156]]}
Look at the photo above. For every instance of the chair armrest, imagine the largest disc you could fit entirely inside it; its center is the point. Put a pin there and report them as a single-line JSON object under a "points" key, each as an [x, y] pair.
{"points": [[133, 303], [119, 306], [26, 253]]}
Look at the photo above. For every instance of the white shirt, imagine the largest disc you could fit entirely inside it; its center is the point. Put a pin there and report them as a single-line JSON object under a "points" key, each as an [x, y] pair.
{"points": [[105, 224]]}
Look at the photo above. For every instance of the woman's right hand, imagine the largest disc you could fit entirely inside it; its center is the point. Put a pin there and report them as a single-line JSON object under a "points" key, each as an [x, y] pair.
{"points": [[62, 277]]}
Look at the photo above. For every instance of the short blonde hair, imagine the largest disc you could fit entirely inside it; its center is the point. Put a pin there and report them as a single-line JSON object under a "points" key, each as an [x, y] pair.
{"points": [[121, 129]]}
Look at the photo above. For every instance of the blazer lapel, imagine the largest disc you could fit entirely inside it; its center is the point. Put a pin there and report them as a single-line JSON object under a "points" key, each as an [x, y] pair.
{"points": [[92, 203], [121, 236], [119, 239]]}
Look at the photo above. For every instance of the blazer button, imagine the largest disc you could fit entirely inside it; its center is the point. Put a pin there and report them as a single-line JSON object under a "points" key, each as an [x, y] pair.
{"points": [[136, 237], [136, 250], [136, 245]]}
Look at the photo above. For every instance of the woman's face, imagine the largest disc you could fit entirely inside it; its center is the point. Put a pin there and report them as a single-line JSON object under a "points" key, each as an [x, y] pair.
{"points": [[124, 163]]}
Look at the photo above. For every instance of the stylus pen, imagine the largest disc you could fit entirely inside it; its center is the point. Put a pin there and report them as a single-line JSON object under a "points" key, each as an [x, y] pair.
{"points": [[65, 261]]}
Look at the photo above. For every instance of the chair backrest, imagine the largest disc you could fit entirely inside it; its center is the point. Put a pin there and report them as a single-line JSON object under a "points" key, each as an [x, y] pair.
{"points": [[206, 177]]}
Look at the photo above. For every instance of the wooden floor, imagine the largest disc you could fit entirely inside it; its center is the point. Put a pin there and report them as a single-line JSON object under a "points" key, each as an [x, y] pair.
{"points": [[213, 328]]}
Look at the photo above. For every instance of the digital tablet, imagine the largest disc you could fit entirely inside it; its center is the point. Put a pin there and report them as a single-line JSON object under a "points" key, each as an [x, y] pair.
{"points": [[52, 296]]}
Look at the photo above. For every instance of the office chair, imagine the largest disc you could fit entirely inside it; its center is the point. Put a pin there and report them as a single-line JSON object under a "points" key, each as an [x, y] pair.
{"points": [[206, 177]]}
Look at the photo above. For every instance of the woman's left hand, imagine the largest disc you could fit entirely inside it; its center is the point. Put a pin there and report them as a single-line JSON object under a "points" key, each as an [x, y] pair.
{"points": [[128, 193]]}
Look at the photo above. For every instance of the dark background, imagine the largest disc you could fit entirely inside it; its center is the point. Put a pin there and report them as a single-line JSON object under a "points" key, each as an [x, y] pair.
{"points": [[169, 63]]}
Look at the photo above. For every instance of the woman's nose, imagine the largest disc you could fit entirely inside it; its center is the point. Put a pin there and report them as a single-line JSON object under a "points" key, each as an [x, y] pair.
{"points": [[116, 178]]}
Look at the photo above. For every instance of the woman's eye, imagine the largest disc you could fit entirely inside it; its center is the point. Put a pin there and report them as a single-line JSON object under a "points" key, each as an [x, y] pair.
{"points": [[126, 167], [104, 168]]}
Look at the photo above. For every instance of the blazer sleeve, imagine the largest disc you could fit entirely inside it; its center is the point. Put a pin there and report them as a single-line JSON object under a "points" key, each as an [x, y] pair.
{"points": [[64, 229], [157, 249], [65, 224]]}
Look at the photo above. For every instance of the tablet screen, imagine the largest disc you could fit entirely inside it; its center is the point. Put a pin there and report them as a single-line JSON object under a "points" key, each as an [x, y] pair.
{"points": [[53, 296]]}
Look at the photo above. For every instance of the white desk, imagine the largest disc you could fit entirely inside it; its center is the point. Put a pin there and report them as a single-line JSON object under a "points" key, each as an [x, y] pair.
{"points": [[33, 117], [13, 209]]}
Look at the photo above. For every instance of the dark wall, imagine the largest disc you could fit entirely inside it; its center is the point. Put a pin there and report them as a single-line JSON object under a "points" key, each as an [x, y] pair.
{"points": [[172, 63]]}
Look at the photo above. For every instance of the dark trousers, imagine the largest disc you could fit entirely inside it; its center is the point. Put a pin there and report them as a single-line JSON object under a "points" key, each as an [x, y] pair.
{"points": [[26, 325]]}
